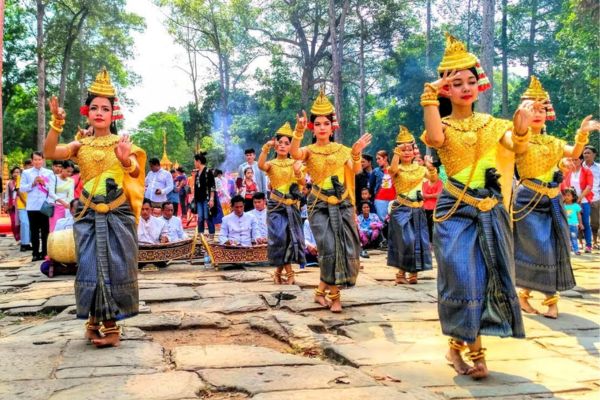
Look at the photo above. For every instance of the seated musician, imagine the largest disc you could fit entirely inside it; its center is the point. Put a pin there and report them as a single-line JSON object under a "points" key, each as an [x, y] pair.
{"points": [[151, 230], [175, 230], [240, 228]]}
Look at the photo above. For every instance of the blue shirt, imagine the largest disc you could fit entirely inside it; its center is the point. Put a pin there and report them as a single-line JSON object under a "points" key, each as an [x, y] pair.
{"points": [[309, 238], [261, 220], [240, 231], [37, 194]]}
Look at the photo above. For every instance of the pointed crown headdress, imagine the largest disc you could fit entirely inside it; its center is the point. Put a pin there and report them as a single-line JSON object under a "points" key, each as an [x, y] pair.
{"points": [[456, 57], [322, 107], [404, 136], [285, 130], [103, 87], [536, 92]]}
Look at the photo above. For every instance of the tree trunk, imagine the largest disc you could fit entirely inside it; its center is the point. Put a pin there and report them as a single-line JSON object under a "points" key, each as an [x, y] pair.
{"points": [[1, 83], [362, 83], [41, 71], [487, 53], [532, 32], [71, 37], [504, 60], [427, 38], [307, 85], [336, 34]]}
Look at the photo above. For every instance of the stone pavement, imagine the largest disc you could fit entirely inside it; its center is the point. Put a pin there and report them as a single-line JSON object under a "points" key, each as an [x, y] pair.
{"points": [[225, 335]]}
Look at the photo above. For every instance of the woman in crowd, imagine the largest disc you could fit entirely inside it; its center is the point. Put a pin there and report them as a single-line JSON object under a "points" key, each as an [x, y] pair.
{"points": [[408, 242], [332, 167], [64, 193], [381, 185], [472, 237], [112, 169], [285, 237], [541, 229], [248, 188], [10, 200]]}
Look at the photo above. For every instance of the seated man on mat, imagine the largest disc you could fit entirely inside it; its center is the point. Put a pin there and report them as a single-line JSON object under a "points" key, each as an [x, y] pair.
{"points": [[240, 228]]}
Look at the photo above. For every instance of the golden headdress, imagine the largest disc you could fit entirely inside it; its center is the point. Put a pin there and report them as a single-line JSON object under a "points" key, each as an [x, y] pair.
{"points": [[456, 57], [536, 92], [102, 86], [285, 130], [404, 136], [322, 106]]}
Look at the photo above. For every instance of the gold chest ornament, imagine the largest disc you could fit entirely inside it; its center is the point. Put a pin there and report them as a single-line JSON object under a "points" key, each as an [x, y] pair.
{"points": [[326, 161], [96, 155], [281, 172], [542, 155], [408, 177]]}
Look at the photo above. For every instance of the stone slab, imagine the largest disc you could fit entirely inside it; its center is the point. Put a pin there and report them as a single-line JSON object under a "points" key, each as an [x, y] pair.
{"points": [[270, 379], [246, 276], [154, 322], [225, 289], [175, 385], [372, 393], [168, 294], [59, 303], [21, 303], [24, 310], [233, 356], [504, 391], [34, 361], [205, 320], [224, 305]]}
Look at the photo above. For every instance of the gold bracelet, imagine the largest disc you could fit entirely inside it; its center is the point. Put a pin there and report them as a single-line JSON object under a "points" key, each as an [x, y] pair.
{"points": [[60, 122], [266, 148], [425, 103], [582, 137], [131, 168], [56, 129], [430, 88], [561, 165], [429, 96], [355, 157], [398, 153], [298, 135], [521, 139]]}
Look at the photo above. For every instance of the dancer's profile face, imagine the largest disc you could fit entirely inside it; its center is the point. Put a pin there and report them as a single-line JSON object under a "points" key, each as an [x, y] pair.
{"points": [[463, 89], [100, 115], [283, 146], [323, 127]]}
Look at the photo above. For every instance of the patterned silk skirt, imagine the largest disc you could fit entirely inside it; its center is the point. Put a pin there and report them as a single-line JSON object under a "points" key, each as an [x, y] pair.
{"points": [[106, 284], [474, 252], [336, 234], [408, 239], [541, 233], [285, 237]]}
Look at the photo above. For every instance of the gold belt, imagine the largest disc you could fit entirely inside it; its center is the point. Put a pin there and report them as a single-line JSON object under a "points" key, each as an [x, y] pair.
{"points": [[103, 208], [541, 189], [484, 205], [283, 200], [409, 203], [333, 200]]}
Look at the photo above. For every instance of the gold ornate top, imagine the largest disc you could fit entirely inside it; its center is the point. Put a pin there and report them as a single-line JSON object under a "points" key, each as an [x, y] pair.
{"points": [[285, 130], [165, 163], [281, 173], [322, 105], [456, 56], [535, 91], [408, 177], [327, 161], [404, 135], [542, 156], [102, 86], [96, 155], [466, 140]]}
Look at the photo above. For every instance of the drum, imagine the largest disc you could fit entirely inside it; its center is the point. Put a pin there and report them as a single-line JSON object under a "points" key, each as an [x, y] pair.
{"points": [[61, 247]]}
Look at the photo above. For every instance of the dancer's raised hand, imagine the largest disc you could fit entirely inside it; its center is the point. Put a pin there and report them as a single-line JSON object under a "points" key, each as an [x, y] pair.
{"points": [[361, 143]]}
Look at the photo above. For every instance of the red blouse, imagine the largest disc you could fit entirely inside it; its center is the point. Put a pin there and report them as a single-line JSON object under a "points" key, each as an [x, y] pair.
{"points": [[429, 189]]}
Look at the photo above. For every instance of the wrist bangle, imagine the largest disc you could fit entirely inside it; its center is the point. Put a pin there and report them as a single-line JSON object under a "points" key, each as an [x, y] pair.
{"points": [[56, 128], [131, 168], [60, 122], [266, 148], [582, 137], [355, 157], [425, 103], [298, 135]]}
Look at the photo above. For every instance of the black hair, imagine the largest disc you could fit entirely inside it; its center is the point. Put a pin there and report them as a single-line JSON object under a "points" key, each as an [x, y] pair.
{"points": [[249, 151], [113, 124], [313, 117], [218, 172], [236, 199], [28, 162], [37, 153], [446, 105], [154, 161], [362, 203], [76, 169], [67, 164], [581, 156], [308, 186], [277, 137], [368, 157], [258, 196], [57, 162], [14, 168], [592, 149], [364, 188], [72, 203], [180, 169], [166, 203], [573, 193], [200, 158], [172, 171], [247, 169], [147, 201]]}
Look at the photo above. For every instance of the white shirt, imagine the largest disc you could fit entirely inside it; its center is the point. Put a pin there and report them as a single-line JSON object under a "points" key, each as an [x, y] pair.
{"points": [[261, 220], [37, 194], [576, 185], [64, 223], [174, 229], [160, 179], [309, 238], [239, 230], [150, 230], [595, 168]]}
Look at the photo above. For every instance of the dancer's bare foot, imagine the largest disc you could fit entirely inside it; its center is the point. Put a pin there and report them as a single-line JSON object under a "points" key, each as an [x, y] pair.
{"points": [[401, 279], [455, 358], [320, 298], [336, 304], [524, 297], [552, 311], [412, 278], [110, 340], [277, 277], [290, 278], [479, 370], [92, 331]]}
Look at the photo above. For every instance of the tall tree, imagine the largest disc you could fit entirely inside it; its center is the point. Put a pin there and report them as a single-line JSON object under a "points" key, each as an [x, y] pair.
{"points": [[487, 53], [336, 29], [41, 73]]}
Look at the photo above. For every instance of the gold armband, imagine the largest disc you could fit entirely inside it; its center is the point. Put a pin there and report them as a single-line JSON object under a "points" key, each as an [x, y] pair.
{"points": [[425, 103], [430, 88], [561, 165], [266, 148], [582, 137], [132, 166], [521, 138]]}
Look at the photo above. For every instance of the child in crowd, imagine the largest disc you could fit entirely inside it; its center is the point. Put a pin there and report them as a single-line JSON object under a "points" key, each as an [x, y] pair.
{"points": [[573, 210]]}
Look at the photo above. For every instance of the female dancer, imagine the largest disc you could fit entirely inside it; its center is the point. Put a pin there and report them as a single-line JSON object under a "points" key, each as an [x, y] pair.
{"points": [[541, 231], [408, 242], [286, 239], [10, 199], [332, 167], [472, 239], [112, 169]]}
